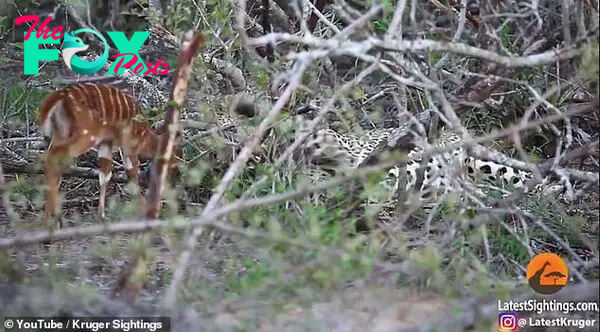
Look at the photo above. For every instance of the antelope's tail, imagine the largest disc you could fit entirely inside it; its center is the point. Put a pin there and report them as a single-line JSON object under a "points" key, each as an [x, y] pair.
{"points": [[53, 116]]}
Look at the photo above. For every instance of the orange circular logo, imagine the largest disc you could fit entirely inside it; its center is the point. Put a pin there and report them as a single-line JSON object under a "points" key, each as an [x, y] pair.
{"points": [[547, 273]]}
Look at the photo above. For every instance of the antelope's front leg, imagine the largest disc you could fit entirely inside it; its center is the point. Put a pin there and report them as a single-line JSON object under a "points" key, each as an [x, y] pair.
{"points": [[132, 165], [104, 175]]}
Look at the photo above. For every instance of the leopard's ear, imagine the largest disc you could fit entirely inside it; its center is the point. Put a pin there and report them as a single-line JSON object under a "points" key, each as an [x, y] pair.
{"points": [[308, 110], [243, 104]]}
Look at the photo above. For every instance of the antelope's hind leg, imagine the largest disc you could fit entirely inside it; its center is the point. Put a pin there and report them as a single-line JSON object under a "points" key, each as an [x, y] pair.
{"points": [[56, 159]]}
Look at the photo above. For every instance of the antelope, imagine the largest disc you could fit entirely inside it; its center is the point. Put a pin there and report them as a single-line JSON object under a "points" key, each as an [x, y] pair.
{"points": [[87, 115]]}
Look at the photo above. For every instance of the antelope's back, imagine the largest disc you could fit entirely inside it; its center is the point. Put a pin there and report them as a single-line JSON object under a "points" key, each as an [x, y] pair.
{"points": [[102, 103], [105, 103]]}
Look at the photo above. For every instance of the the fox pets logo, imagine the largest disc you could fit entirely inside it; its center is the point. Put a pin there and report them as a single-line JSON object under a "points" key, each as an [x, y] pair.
{"points": [[128, 58]]}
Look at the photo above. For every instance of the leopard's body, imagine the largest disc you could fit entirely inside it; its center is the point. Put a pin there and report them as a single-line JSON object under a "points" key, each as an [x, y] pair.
{"points": [[452, 171], [449, 169]]}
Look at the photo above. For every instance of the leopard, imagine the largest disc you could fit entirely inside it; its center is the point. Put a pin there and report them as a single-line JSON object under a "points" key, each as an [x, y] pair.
{"points": [[327, 151]]}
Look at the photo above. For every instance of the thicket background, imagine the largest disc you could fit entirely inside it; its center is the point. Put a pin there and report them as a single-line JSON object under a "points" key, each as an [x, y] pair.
{"points": [[274, 255]]}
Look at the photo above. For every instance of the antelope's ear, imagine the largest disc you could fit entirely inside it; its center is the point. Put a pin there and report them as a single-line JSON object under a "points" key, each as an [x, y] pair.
{"points": [[158, 126], [162, 129]]}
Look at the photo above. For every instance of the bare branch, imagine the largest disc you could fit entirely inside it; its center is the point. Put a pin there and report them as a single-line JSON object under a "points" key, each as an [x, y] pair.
{"points": [[343, 46], [190, 46], [228, 178]]}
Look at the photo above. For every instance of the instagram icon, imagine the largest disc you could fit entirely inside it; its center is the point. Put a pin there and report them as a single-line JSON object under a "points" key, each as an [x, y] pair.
{"points": [[507, 322]]}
